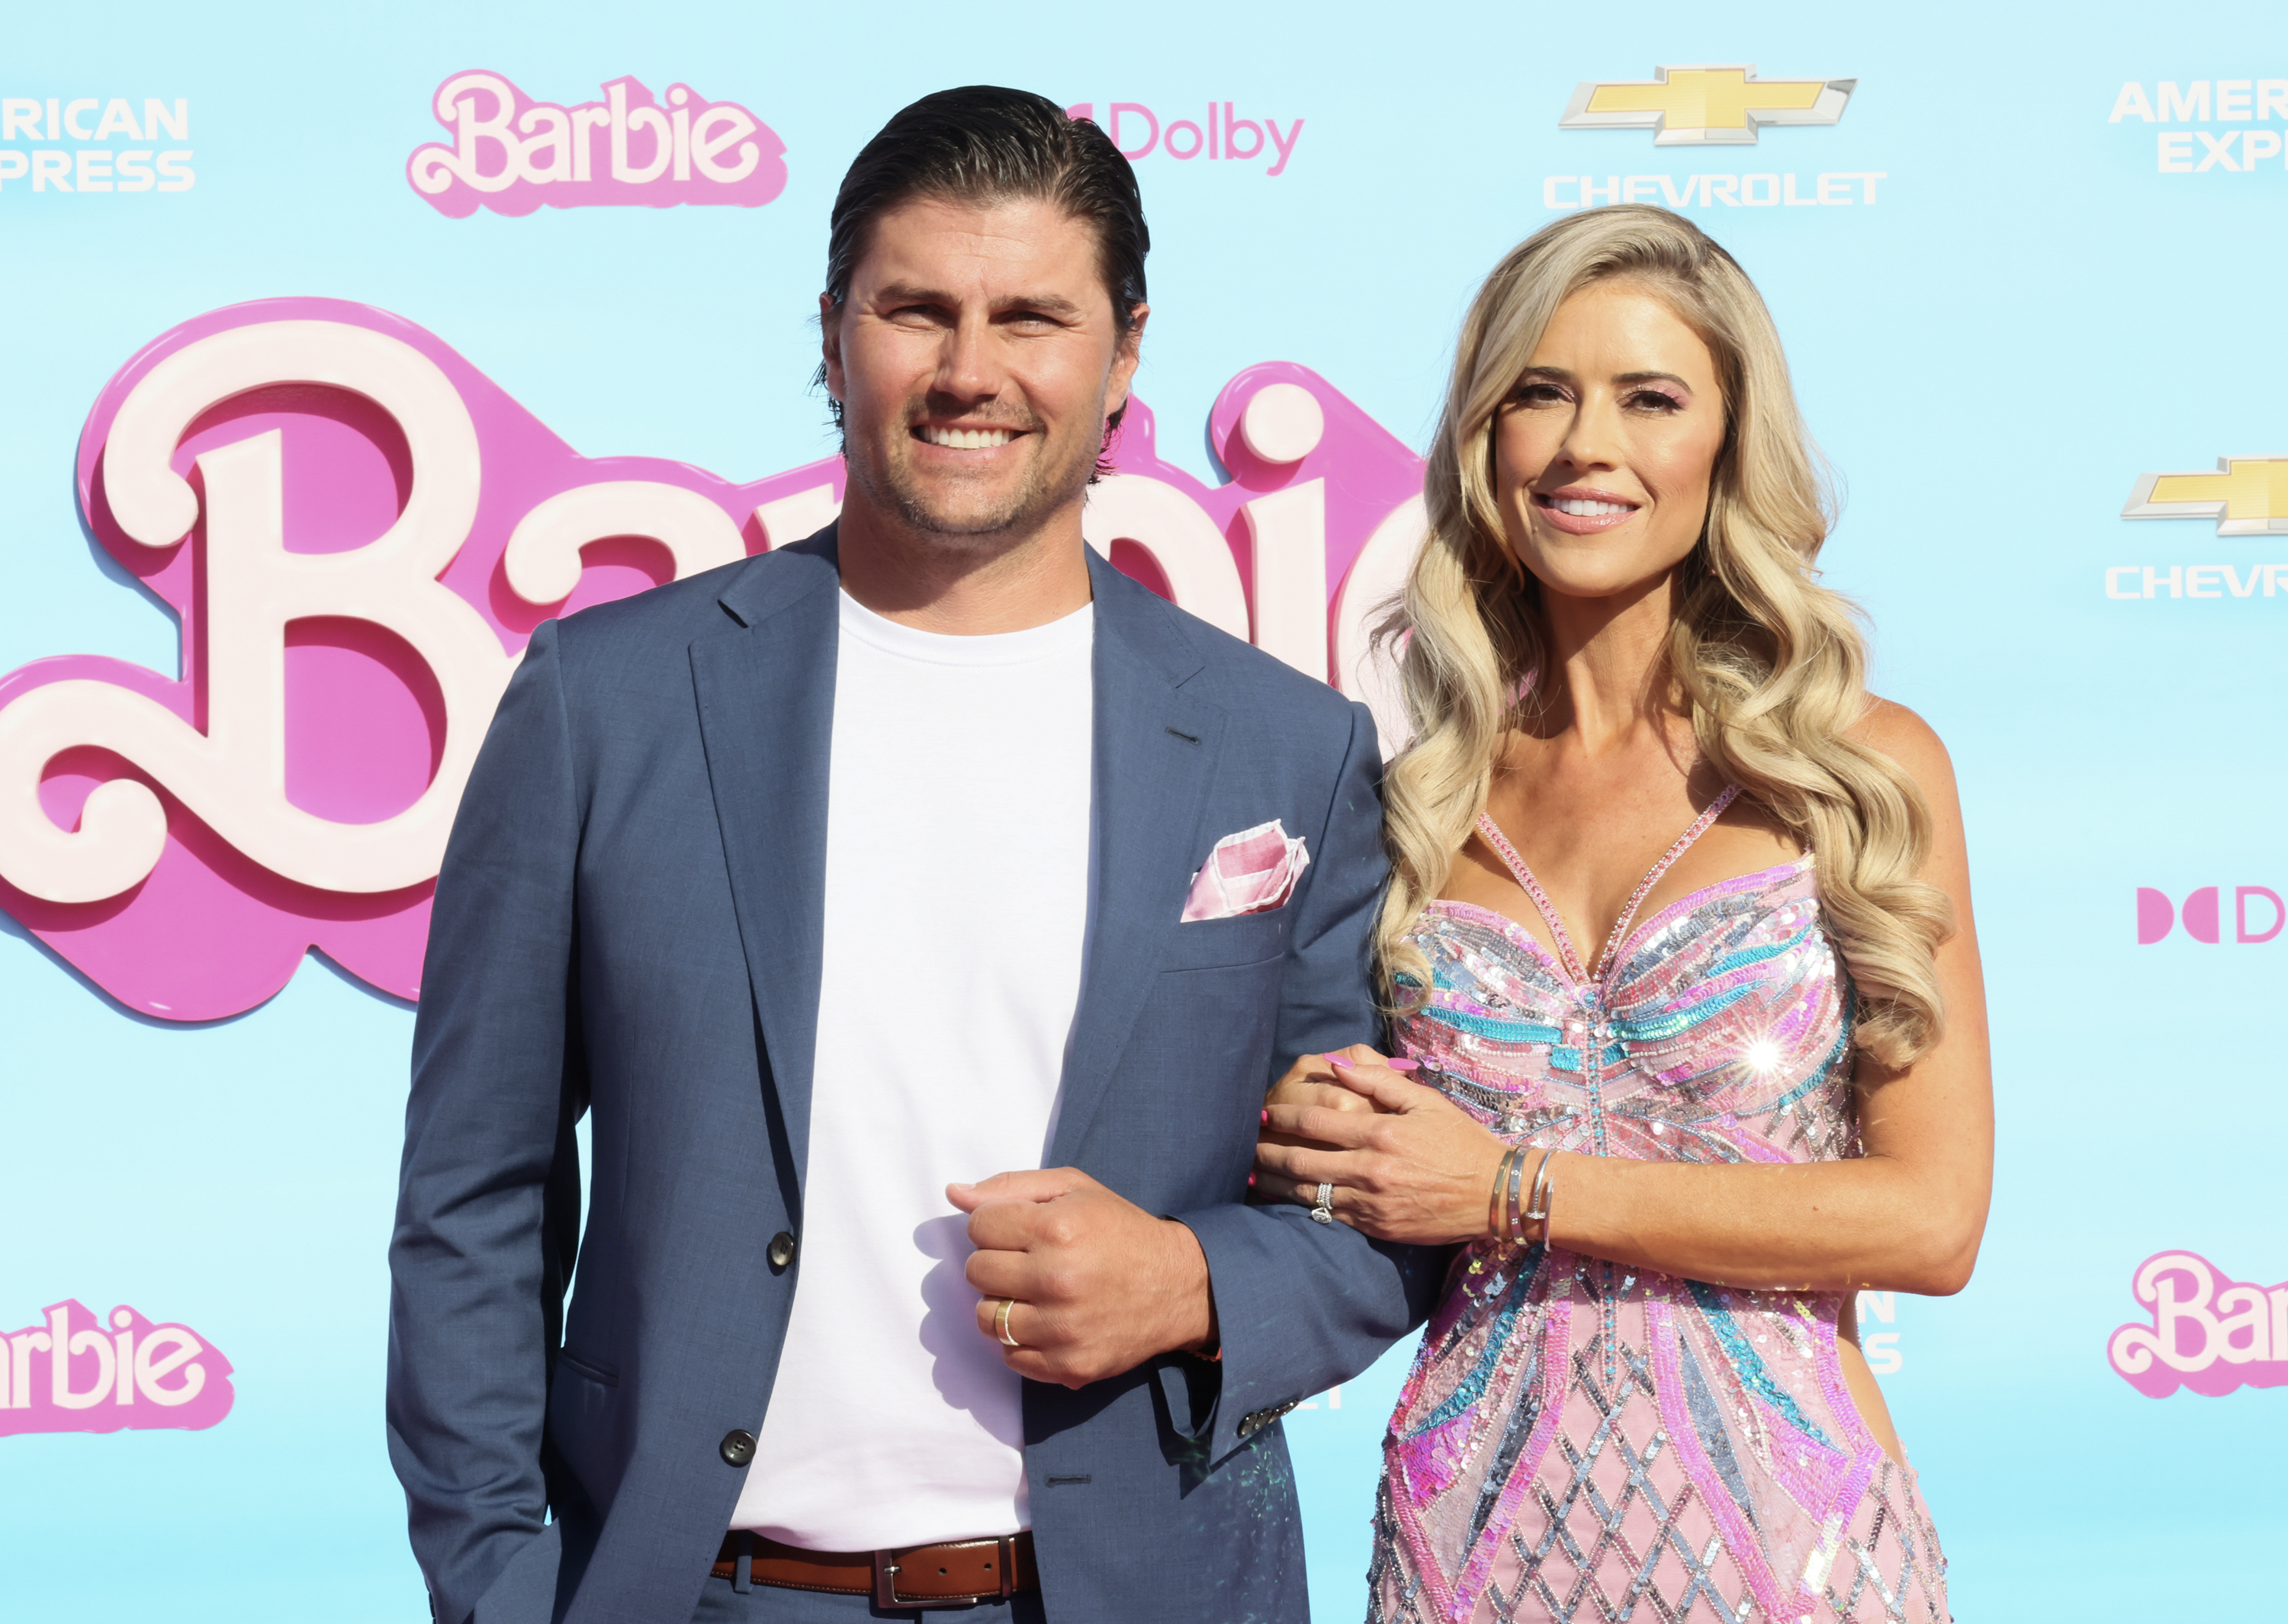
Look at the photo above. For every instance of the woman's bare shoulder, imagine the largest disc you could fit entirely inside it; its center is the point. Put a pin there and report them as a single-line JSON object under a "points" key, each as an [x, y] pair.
{"points": [[1914, 744], [1903, 736]]}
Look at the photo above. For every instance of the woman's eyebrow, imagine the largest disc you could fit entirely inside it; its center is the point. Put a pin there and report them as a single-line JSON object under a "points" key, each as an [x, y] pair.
{"points": [[1560, 374]]}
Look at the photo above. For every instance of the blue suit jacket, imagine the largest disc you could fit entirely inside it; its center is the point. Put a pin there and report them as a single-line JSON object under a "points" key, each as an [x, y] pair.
{"points": [[629, 923]]}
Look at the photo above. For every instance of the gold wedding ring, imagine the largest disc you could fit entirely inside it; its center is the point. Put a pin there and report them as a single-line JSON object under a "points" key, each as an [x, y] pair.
{"points": [[1001, 1323]]}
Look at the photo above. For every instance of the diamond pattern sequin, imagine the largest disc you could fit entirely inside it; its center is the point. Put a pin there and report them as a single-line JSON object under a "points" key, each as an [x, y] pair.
{"points": [[1582, 1441]]}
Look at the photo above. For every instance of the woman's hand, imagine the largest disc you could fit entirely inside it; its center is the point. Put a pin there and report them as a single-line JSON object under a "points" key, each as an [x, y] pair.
{"points": [[1311, 1082], [1407, 1164]]}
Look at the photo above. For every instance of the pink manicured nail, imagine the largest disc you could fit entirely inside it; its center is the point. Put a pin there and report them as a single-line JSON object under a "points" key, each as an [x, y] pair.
{"points": [[1251, 1181], [1338, 1061], [1267, 1115], [1401, 1066]]}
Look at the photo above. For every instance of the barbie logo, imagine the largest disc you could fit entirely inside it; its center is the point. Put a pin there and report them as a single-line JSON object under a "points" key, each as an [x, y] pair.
{"points": [[2208, 1332], [2257, 914], [357, 531], [511, 154], [73, 1373]]}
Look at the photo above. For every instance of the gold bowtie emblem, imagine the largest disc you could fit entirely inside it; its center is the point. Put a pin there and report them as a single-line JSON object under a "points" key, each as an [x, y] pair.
{"points": [[2247, 496], [1711, 105]]}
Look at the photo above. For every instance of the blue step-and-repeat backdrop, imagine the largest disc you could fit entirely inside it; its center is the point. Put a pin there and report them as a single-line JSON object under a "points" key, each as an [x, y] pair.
{"points": [[341, 346]]}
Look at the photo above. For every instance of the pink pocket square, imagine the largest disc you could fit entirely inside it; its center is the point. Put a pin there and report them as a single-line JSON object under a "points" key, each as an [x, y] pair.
{"points": [[1251, 872]]}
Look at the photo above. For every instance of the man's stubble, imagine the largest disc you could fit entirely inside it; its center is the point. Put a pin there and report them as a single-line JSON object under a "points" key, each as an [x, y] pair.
{"points": [[1051, 483]]}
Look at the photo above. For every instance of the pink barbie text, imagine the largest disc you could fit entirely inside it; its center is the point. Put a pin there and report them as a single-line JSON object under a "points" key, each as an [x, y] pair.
{"points": [[75, 1373], [510, 153], [2207, 1331]]}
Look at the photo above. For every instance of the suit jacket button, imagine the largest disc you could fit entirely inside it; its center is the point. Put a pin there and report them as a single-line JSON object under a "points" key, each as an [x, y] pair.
{"points": [[782, 1249], [737, 1448]]}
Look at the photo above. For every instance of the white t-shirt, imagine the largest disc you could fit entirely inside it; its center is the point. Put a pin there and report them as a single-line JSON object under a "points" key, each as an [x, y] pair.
{"points": [[957, 836]]}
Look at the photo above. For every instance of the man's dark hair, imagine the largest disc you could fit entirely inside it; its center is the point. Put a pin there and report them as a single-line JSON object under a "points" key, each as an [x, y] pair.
{"points": [[982, 143]]}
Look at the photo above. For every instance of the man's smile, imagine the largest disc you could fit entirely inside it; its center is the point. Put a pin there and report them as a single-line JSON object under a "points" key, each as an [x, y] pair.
{"points": [[957, 438]]}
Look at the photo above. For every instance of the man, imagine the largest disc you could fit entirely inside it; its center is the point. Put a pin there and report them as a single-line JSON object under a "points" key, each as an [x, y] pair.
{"points": [[848, 874]]}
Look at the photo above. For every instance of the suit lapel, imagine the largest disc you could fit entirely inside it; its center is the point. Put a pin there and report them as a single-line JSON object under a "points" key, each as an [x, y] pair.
{"points": [[1155, 751], [765, 693]]}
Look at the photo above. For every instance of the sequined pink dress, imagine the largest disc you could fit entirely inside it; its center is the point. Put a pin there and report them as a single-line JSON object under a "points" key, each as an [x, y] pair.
{"points": [[1585, 1440]]}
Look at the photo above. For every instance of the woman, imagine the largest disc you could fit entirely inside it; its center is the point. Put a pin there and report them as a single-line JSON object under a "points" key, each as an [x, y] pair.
{"points": [[1679, 938]]}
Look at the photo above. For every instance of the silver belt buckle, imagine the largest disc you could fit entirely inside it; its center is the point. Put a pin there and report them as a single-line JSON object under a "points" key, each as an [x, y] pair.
{"points": [[886, 1581]]}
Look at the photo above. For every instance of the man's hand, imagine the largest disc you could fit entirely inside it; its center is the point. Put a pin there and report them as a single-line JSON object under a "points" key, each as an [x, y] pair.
{"points": [[1100, 1285]]}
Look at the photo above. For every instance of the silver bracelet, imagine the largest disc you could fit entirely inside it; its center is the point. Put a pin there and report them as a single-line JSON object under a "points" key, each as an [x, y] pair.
{"points": [[1513, 1228], [1537, 1210], [1497, 1211]]}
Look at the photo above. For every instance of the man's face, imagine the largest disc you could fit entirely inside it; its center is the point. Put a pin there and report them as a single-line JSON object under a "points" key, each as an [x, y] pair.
{"points": [[976, 359]]}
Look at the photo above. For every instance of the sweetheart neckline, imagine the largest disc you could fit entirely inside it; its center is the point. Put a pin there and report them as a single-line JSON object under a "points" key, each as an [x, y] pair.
{"points": [[1512, 927]]}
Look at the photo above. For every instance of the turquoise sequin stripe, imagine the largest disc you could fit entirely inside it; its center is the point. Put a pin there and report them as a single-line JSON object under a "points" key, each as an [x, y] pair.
{"points": [[1812, 1084], [1747, 956], [1820, 1076], [1755, 1375], [1494, 1027], [1567, 1057], [1472, 1386], [1655, 1028]]}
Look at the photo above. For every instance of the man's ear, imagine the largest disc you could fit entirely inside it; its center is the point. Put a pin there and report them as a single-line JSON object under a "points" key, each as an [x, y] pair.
{"points": [[1126, 356], [829, 336]]}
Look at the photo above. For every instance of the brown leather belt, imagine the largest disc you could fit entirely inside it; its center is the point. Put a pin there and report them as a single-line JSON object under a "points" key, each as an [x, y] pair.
{"points": [[916, 1576]]}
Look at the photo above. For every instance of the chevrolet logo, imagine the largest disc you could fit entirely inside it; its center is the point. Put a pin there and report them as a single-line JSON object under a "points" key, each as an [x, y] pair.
{"points": [[2247, 496], [1706, 106]]}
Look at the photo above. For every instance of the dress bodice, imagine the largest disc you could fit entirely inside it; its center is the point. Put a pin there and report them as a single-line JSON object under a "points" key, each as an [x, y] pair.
{"points": [[1718, 1033], [1579, 1435]]}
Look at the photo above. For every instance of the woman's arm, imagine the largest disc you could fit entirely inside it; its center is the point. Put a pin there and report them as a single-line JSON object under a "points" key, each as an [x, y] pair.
{"points": [[1908, 1216]]}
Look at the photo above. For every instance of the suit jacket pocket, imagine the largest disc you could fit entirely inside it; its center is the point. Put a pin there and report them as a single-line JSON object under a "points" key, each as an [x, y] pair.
{"points": [[586, 1423], [1206, 944], [602, 1375]]}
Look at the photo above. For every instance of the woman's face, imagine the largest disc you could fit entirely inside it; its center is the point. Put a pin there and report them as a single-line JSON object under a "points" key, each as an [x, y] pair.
{"points": [[1604, 452]]}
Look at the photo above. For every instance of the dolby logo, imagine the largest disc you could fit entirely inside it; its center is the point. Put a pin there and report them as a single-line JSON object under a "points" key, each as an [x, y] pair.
{"points": [[2256, 915]]}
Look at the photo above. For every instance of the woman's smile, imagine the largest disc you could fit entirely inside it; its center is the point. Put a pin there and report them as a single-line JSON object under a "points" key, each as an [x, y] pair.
{"points": [[1578, 510]]}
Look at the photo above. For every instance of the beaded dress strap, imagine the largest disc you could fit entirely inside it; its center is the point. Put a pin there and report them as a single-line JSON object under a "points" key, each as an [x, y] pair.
{"points": [[1494, 837]]}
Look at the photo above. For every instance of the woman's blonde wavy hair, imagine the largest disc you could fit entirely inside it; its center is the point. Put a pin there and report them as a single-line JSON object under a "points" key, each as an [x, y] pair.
{"points": [[1771, 664]]}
